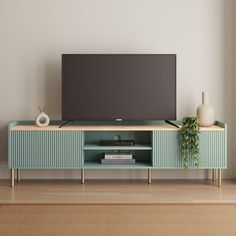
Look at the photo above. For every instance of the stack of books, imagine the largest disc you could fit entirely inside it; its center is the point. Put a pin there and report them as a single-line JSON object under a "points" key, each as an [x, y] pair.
{"points": [[118, 158]]}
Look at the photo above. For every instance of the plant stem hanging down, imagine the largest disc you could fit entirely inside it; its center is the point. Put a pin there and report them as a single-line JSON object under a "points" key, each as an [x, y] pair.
{"points": [[189, 141]]}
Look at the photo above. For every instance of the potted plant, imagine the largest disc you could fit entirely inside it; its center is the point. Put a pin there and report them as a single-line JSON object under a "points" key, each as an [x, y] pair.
{"points": [[189, 141]]}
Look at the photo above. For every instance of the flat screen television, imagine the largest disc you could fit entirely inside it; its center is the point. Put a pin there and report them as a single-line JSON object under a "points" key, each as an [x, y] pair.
{"points": [[118, 87]]}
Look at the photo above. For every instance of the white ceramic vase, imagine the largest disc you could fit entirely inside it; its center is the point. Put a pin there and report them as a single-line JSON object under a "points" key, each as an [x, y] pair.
{"points": [[42, 120], [206, 112]]}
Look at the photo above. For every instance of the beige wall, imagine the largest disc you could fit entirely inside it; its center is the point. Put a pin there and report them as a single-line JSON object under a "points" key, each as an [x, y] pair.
{"points": [[34, 34]]}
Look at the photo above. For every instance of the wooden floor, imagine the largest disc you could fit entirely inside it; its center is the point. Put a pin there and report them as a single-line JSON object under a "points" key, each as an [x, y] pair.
{"points": [[118, 207], [114, 220], [117, 192]]}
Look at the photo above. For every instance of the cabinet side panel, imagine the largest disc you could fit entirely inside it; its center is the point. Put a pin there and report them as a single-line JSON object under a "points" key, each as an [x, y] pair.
{"points": [[46, 149]]}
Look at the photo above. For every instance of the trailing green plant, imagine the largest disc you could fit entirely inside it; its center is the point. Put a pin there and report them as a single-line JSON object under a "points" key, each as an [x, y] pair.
{"points": [[189, 141]]}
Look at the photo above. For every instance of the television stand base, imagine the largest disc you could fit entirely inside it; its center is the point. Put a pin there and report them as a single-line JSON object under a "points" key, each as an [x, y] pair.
{"points": [[77, 147]]}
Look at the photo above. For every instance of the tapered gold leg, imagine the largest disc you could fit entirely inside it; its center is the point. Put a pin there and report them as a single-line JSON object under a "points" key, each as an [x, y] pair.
{"points": [[12, 178], [82, 176], [219, 178], [18, 175], [149, 176]]}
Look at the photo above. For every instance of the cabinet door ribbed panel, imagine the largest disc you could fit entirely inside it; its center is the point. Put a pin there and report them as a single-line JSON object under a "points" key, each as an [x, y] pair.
{"points": [[45, 149], [166, 152], [213, 149]]}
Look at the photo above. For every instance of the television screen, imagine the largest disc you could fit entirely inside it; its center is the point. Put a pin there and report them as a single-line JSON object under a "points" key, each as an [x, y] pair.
{"points": [[107, 87]]}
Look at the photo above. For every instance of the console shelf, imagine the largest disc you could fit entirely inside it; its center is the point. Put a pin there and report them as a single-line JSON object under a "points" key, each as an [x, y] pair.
{"points": [[135, 147], [97, 165], [76, 147]]}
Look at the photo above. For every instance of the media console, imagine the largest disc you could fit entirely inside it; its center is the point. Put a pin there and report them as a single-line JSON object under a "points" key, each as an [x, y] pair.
{"points": [[77, 147]]}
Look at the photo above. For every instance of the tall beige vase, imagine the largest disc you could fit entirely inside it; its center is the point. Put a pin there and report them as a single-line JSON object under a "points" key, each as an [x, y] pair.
{"points": [[206, 112]]}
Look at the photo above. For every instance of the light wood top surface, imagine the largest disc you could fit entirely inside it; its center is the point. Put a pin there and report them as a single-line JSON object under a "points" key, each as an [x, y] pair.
{"points": [[107, 128]]}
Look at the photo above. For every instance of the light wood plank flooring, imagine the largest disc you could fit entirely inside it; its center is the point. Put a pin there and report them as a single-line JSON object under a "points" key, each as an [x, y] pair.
{"points": [[114, 220], [118, 192], [118, 207]]}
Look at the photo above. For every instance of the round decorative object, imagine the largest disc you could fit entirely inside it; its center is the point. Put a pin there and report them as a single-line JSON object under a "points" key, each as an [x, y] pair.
{"points": [[42, 120], [206, 112]]}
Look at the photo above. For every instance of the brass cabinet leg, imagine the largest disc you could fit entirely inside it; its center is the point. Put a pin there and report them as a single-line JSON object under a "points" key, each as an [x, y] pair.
{"points": [[149, 176], [12, 178], [82, 176], [213, 175], [219, 178], [18, 175]]}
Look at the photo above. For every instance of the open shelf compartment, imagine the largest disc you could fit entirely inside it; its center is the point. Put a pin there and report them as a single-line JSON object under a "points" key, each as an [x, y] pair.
{"points": [[142, 150]]}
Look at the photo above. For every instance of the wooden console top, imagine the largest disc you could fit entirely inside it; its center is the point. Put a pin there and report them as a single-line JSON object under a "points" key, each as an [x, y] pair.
{"points": [[106, 128]]}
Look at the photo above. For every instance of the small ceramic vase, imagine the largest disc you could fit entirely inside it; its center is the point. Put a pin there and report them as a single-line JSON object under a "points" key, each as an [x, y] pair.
{"points": [[42, 120], [206, 112]]}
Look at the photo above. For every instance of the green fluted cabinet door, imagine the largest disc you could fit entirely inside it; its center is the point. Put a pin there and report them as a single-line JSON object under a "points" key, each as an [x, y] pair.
{"points": [[45, 149], [213, 149], [166, 152]]}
